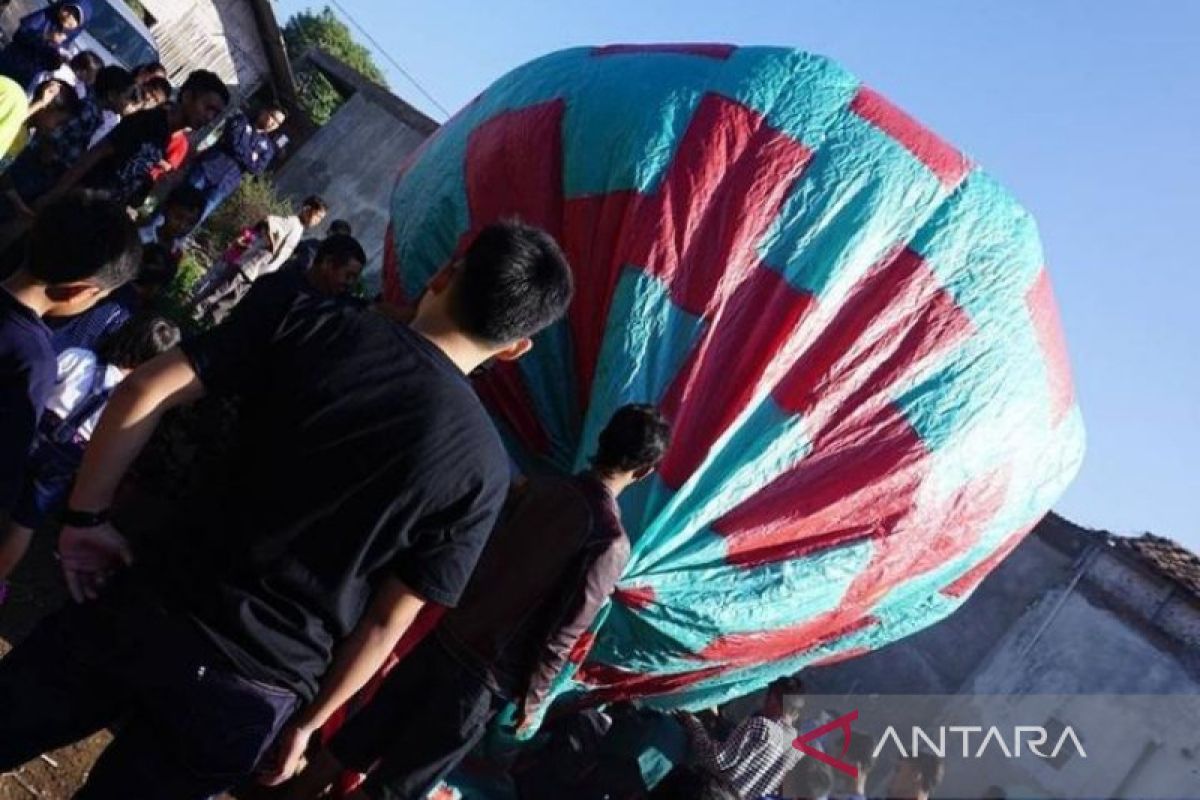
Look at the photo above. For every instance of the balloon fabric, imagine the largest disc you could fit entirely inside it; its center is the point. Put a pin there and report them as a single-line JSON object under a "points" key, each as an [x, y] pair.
{"points": [[848, 323]]}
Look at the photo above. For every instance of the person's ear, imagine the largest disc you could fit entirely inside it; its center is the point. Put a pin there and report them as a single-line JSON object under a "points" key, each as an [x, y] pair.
{"points": [[515, 350], [642, 473]]}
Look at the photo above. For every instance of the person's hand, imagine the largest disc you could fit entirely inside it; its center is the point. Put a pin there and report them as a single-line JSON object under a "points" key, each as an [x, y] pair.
{"points": [[288, 755], [89, 557], [51, 93]]}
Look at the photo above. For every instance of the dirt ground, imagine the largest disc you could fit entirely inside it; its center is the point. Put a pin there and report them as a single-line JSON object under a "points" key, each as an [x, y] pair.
{"points": [[36, 590]]}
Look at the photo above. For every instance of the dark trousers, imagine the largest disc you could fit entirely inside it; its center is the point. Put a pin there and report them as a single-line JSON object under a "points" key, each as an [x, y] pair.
{"points": [[425, 718], [187, 725]]}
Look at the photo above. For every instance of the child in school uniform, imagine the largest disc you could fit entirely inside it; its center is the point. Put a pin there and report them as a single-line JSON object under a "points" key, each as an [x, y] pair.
{"points": [[84, 383]]}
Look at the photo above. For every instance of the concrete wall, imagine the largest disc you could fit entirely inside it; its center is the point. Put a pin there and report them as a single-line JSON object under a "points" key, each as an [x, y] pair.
{"points": [[352, 162], [1065, 614]]}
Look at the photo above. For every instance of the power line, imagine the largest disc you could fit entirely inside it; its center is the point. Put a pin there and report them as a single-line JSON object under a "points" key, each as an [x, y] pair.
{"points": [[383, 52]]}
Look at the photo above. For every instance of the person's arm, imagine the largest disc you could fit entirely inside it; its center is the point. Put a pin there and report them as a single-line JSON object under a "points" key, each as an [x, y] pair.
{"points": [[130, 418], [600, 578], [14, 197], [72, 176], [704, 748], [358, 659]]}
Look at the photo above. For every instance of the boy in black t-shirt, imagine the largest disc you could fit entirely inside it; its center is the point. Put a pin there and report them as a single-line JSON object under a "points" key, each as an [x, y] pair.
{"points": [[120, 163], [368, 479], [80, 249]]}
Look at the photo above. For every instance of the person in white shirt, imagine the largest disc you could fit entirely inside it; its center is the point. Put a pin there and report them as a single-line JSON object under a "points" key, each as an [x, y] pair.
{"points": [[79, 73], [268, 249], [85, 381]]}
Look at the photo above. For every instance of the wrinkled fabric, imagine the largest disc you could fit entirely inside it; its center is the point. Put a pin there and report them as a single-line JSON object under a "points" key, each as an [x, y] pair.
{"points": [[848, 322]]}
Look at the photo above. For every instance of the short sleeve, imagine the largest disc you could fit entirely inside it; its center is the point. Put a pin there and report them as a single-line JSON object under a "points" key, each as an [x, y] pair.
{"points": [[227, 357], [131, 132], [446, 546]]}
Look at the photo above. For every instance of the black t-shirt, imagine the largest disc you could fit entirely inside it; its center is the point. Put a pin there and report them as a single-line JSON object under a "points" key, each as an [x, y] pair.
{"points": [[139, 142], [27, 373], [363, 452]]}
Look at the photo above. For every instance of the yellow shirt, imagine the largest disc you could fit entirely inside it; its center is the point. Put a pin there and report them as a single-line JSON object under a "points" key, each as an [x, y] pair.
{"points": [[14, 129]]}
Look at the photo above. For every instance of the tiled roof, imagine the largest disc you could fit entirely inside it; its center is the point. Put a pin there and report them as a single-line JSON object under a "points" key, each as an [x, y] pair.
{"points": [[1165, 557]]}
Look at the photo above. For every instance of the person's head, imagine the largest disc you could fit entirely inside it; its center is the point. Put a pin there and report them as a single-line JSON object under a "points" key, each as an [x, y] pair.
{"points": [[632, 443], [337, 265], [156, 272], [151, 69], [114, 90], [86, 66], [270, 117], [312, 211], [137, 341], [917, 776], [339, 227], [202, 98], [152, 93], [785, 700], [81, 247], [68, 17], [63, 104], [812, 779], [512, 281], [181, 211], [687, 782], [861, 753]]}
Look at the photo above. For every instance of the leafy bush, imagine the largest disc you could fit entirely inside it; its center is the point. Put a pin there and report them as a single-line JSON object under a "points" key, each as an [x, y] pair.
{"points": [[255, 198], [318, 97], [324, 31]]}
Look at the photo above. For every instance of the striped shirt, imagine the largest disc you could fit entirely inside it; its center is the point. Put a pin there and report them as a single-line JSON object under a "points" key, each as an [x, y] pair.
{"points": [[755, 758]]}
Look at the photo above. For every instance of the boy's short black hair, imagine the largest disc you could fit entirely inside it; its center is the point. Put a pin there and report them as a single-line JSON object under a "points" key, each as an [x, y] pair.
{"points": [[148, 67], [340, 226], [812, 778], [272, 106], [137, 341], [313, 202], [861, 751], [929, 767], [157, 268], [113, 80], [86, 60], [156, 85], [202, 81], [513, 282], [186, 196], [340, 249], [636, 437], [84, 237]]}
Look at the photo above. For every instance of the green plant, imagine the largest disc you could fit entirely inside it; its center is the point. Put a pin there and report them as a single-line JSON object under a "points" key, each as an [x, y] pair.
{"points": [[324, 31], [318, 97]]}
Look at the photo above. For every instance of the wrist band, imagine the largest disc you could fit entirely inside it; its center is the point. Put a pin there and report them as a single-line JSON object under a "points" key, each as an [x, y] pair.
{"points": [[84, 519]]}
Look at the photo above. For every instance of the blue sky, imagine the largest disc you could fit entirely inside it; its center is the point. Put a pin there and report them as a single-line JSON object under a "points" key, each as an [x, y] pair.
{"points": [[1088, 110]]}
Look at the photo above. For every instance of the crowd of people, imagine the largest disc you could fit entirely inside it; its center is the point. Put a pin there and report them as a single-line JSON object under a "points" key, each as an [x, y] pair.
{"points": [[367, 486]]}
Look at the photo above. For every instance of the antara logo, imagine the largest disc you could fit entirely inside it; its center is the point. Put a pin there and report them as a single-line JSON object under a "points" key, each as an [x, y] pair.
{"points": [[1034, 738], [842, 723]]}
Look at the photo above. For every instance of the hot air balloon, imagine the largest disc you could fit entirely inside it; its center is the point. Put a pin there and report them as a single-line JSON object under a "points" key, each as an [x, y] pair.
{"points": [[849, 324]]}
